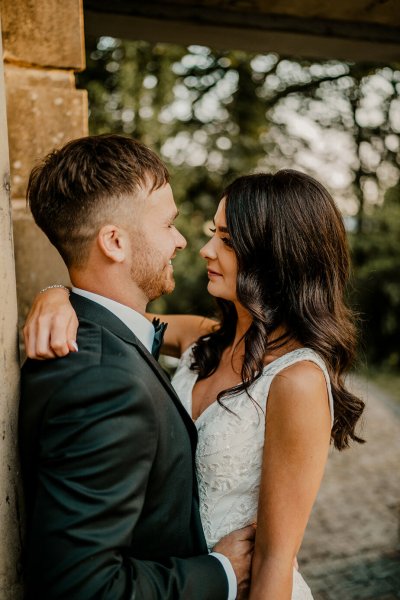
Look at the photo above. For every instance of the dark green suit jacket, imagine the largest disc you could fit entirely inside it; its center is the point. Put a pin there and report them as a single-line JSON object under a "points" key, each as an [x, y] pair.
{"points": [[107, 453]]}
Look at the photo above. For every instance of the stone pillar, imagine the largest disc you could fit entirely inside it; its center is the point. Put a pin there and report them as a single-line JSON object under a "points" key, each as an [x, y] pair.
{"points": [[43, 47], [10, 522]]}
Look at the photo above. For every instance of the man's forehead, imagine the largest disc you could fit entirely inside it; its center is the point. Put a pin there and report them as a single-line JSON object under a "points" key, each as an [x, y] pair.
{"points": [[161, 199]]}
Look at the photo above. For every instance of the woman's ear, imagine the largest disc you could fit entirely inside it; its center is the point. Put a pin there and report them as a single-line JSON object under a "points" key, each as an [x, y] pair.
{"points": [[113, 242]]}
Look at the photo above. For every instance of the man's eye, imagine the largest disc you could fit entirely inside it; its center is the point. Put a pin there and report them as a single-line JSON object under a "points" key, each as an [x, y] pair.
{"points": [[212, 229]]}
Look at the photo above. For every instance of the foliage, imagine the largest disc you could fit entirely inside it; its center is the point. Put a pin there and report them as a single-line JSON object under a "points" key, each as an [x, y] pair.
{"points": [[376, 295], [213, 115]]}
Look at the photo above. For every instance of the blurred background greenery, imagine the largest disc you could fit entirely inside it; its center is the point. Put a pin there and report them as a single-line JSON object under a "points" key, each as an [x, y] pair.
{"points": [[213, 115]]}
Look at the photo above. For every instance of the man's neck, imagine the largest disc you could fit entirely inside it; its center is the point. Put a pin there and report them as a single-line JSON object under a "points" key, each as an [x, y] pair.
{"points": [[140, 326], [131, 296]]}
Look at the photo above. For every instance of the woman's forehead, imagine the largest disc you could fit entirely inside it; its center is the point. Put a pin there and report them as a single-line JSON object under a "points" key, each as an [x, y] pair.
{"points": [[220, 214]]}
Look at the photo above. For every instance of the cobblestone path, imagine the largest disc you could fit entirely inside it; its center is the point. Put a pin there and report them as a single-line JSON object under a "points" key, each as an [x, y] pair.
{"points": [[351, 549]]}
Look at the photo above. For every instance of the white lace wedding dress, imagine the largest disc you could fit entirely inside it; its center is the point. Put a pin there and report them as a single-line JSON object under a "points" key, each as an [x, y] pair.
{"points": [[230, 448]]}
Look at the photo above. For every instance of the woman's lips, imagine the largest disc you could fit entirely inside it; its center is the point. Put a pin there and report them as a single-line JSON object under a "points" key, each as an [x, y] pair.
{"points": [[213, 273]]}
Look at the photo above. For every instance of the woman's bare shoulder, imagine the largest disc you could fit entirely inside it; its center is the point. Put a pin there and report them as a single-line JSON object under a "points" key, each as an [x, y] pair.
{"points": [[300, 387], [303, 375]]}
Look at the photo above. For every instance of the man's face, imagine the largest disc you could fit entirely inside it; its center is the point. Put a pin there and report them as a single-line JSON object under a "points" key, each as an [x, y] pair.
{"points": [[154, 243]]}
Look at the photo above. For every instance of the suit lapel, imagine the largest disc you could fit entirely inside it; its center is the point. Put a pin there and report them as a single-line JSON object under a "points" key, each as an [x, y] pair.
{"points": [[100, 315], [167, 384]]}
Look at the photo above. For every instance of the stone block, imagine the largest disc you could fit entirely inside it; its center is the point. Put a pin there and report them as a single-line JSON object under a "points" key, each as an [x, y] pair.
{"points": [[37, 262], [44, 111], [10, 507], [48, 33]]}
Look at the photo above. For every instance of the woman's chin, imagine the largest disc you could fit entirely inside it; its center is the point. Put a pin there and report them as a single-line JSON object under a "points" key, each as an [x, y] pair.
{"points": [[216, 290], [213, 289]]}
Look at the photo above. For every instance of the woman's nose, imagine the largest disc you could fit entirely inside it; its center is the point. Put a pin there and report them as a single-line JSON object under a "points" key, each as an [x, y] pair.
{"points": [[208, 250]]}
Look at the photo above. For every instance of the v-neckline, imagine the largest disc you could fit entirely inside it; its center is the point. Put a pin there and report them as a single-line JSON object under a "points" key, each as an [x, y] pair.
{"points": [[190, 398], [215, 402]]}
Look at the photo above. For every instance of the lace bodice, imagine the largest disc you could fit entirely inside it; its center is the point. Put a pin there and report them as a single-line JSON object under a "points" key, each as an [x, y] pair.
{"points": [[230, 447]]}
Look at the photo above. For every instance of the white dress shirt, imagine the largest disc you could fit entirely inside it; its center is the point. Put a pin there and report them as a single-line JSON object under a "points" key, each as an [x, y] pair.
{"points": [[144, 331], [137, 323]]}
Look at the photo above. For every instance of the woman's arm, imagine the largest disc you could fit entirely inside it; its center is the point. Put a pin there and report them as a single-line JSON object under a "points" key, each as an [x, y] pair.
{"points": [[297, 437], [51, 327], [182, 331]]}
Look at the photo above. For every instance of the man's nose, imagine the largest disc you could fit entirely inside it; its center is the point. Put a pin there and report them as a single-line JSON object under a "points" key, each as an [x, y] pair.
{"points": [[180, 242]]}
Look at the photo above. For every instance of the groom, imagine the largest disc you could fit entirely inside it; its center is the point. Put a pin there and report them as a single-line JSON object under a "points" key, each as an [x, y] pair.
{"points": [[107, 450]]}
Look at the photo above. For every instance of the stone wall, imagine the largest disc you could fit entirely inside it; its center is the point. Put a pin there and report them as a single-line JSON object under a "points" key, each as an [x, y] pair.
{"points": [[40, 107], [10, 521], [43, 47]]}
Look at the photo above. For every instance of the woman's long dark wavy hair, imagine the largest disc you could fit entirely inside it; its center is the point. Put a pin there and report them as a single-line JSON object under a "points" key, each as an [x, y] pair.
{"points": [[293, 267]]}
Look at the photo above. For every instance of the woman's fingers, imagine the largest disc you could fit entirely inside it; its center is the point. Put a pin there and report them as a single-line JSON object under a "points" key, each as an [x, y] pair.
{"points": [[63, 331], [73, 346], [51, 326], [72, 333], [29, 333], [73, 325], [59, 335], [36, 340], [42, 348]]}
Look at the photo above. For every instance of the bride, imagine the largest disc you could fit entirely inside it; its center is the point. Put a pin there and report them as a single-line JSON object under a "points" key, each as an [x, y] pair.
{"points": [[264, 385]]}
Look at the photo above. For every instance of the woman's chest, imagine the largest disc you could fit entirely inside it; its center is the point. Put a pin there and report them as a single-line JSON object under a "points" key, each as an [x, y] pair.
{"points": [[205, 391], [230, 444]]}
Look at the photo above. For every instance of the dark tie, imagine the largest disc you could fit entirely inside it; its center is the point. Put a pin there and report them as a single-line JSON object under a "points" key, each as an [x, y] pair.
{"points": [[159, 329]]}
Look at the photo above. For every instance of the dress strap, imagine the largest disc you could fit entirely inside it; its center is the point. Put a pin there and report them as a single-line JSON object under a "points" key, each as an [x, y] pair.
{"points": [[290, 358]]}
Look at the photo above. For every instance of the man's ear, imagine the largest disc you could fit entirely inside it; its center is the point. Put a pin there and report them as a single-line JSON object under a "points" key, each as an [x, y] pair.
{"points": [[113, 242]]}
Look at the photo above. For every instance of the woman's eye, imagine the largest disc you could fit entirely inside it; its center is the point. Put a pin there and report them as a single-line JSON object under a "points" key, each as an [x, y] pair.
{"points": [[224, 240]]}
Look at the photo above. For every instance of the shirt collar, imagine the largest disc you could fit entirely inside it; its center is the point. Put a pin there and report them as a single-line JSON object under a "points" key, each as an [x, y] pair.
{"points": [[136, 322]]}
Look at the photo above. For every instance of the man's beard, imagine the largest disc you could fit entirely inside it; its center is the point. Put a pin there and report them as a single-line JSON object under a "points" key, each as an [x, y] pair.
{"points": [[148, 269]]}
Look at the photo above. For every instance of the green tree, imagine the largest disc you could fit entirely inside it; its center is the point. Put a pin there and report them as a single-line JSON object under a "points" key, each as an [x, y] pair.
{"points": [[376, 293], [213, 115]]}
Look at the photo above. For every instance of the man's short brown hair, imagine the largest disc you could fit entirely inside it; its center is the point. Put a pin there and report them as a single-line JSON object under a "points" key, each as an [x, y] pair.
{"points": [[78, 188]]}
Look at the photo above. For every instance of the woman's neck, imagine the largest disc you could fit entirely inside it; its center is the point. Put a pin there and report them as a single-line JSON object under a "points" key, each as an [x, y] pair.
{"points": [[244, 321]]}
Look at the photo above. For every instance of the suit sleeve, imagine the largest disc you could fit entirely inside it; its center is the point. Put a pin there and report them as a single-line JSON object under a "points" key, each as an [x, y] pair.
{"points": [[95, 457]]}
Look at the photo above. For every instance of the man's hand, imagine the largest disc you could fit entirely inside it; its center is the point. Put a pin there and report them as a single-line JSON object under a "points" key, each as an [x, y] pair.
{"points": [[51, 326], [238, 546]]}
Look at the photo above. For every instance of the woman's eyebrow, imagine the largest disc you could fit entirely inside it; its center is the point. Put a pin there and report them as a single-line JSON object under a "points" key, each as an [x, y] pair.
{"points": [[221, 229]]}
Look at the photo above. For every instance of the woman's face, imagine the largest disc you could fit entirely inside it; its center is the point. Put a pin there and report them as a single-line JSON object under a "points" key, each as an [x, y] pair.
{"points": [[221, 259]]}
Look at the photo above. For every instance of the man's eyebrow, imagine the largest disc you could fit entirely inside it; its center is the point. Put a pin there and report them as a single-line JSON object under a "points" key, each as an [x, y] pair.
{"points": [[221, 229]]}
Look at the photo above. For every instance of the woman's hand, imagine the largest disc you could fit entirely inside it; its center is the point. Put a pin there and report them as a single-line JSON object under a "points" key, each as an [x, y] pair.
{"points": [[51, 326]]}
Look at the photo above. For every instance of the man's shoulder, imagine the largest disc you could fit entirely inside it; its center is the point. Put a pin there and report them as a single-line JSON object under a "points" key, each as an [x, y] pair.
{"points": [[90, 354], [98, 347], [104, 367], [97, 339]]}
